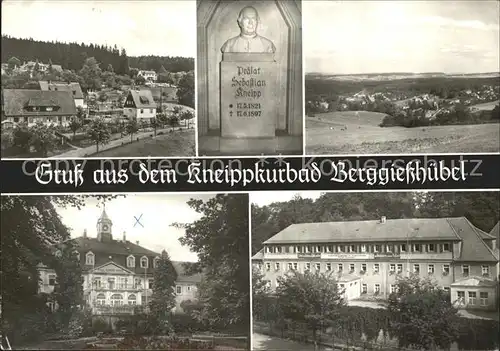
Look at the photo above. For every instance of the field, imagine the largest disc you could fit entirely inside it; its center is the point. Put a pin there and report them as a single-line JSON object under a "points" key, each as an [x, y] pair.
{"points": [[358, 132], [487, 106], [176, 144]]}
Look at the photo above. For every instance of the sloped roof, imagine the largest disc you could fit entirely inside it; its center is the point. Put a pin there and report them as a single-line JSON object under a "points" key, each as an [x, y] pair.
{"points": [[170, 93], [495, 232], [368, 231], [473, 247], [259, 255], [143, 98], [181, 273], [15, 101], [475, 281], [73, 87]]}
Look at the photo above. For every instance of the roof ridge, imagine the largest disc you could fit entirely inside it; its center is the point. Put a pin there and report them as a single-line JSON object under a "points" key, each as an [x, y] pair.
{"points": [[454, 231], [480, 239]]}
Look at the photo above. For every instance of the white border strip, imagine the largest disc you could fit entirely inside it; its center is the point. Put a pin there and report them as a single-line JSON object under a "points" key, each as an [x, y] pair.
{"points": [[250, 268]]}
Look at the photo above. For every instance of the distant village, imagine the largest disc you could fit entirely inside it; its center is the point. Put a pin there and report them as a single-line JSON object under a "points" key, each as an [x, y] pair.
{"points": [[42, 94]]}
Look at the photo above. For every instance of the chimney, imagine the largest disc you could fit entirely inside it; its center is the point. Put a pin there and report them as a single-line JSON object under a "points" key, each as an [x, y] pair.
{"points": [[124, 236], [85, 233], [137, 242], [383, 219]]}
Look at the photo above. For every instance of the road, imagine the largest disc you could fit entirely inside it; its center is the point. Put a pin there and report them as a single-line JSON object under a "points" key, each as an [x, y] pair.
{"points": [[264, 342]]}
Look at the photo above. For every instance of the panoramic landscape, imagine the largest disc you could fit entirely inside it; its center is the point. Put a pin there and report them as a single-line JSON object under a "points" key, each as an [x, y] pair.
{"points": [[76, 93], [374, 103]]}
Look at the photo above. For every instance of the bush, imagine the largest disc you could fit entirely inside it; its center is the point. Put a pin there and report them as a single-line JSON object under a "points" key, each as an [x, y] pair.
{"points": [[99, 325]]}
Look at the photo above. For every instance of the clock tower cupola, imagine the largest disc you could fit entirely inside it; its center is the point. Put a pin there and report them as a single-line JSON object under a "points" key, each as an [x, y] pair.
{"points": [[104, 225]]}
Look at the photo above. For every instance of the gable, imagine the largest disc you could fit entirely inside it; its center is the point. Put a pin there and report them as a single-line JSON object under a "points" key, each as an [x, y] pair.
{"points": [[129, 102], [111, 268]]}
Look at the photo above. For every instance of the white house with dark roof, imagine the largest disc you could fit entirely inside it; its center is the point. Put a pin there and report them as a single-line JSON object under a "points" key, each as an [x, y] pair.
{"points": [[73, 88], [450, 251], [118, 275], [32, 106], [140, 105], [149, 76]]}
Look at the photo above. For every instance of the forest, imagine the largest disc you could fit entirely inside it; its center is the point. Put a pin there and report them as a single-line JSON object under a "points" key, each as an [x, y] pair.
{"points": [[73, 55], [480, 208]]}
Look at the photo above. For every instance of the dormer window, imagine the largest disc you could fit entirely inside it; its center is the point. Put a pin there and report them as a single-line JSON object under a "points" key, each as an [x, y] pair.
{"points": [[131, 261], [144, 262], [156, 262], [89, 259]]}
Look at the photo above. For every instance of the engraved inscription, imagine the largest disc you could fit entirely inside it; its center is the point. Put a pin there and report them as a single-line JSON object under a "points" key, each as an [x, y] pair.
{"points": [[247, 84]]}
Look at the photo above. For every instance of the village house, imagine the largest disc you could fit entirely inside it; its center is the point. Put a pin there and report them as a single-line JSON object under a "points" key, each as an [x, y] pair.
{"points": [[33, 106], [42, 67], [118, 275], [366, 257], [149, 76], [140, 105], [72, 87]]}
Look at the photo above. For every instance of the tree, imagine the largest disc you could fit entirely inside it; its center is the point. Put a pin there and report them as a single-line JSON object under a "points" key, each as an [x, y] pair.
{"points": [[185, 90], [311, 298], [91, 74], [43, 138], [422, 315], [220, 239], [80, 113], [124, 64], [140, 80], [110, 68], [50, 69], [131, 128], [22, 137], [154, 124], [36, 69], [98, 132], [261, 296], [164, 295], [74, 125]]}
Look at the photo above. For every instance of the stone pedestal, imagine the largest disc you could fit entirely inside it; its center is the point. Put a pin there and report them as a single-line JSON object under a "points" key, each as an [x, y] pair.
{"points": [[248, 95]]}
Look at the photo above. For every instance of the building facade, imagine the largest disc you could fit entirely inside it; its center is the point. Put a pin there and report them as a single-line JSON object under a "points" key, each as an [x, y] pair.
{"points": [[37, 106], [72, 87], [459, 257], [118, 275], [140, 105], [149, 76]]}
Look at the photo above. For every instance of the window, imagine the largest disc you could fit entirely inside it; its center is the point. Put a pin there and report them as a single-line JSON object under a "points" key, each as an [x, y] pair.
{"points": [[142, 111], [472, 297], [465, 270], [403, 247], [307, 266], [156, 262], [363, 267], [268, 249], [329, 248], [116, 300], [277, 249], [430, 247], [351, 267], [485, 270], [446, 247], [151, 110], [417, 248], [290, 266], [416, 268], [295, 266], [144, 262], [318, 248], [376, 268], [377, 288], [52, 279], [150, 284], [340, 267], [307, 249], [318, 267], [277, 266], [392, 267], [178, 289], [339, 248], [89, 259], [483, 296], [268, 266], [97, 282], [430, 269], [137, 283], [364, 289], [388, 248], [328, 266], [461, 296], [342, 286], [393, 288], [100, 299], [131, 261], [363, 248], [446, 269], [296, 249], [352, 248], [188, 288], [132, 300], [400, 267]]}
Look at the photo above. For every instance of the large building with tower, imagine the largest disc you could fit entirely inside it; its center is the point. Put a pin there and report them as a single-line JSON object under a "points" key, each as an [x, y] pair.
{"points": [[367, 257], [118, 275]]}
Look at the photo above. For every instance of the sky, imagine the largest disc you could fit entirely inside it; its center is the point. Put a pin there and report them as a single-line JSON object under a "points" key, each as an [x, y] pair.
{"points": [[356, 37], [263, 198], [163, 28], [154, 230]]}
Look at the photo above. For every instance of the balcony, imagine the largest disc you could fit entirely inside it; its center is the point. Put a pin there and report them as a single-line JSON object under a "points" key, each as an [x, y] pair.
{"points": [[117, 309], [115, 287]]}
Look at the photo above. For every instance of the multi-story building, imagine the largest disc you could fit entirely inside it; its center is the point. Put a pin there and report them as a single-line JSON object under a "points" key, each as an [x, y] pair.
{"points": [[72, 87], [32, 106], [118, 275], [367, 257], [140, 105], [149, 76]]}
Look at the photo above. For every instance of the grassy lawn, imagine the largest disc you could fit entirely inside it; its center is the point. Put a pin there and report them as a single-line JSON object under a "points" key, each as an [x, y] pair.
{"points": [[176, 144]]}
